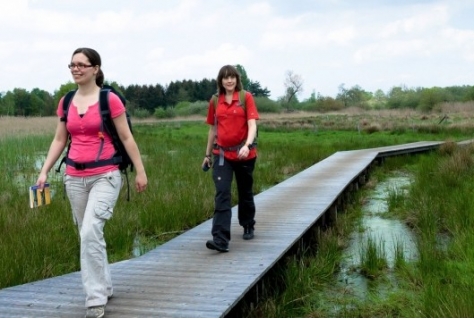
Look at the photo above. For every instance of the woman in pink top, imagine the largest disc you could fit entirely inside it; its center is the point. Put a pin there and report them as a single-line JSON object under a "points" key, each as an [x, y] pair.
{"points": [[92, 192]]}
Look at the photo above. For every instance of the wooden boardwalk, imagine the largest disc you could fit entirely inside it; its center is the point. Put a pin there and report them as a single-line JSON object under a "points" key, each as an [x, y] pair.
{"points": [[182, 278]]}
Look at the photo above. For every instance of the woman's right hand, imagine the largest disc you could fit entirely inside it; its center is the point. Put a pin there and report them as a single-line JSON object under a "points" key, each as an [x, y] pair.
{"points": [[42, 178], [207, 162]]}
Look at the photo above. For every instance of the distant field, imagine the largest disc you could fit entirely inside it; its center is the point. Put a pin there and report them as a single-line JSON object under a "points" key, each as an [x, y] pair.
{"points": [[459, 114]]}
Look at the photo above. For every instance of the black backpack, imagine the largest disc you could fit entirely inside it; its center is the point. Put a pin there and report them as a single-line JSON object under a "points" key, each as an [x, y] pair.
{"points": [[120, 156]]}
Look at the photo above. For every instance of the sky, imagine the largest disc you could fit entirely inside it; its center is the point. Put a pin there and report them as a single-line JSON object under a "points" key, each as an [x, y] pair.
{"points": [[330, 44]]}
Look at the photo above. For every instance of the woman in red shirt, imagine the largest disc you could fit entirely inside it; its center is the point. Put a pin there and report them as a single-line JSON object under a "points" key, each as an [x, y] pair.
{"points": [[92, 191], [230, 141]]}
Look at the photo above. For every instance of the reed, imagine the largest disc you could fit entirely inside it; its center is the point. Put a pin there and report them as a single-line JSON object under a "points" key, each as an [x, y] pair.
{"points": [[373, 259], [43, 242], [399, 254], [439, 208]]}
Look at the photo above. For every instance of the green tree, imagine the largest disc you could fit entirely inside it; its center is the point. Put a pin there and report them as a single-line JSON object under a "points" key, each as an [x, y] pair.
{"points": [[342, 95], [42, 103], [205, 89], [7, 104], [431, 97], [469, 94], [252, 86], [356, 96], [172, 94], [395, 97], [402, 97], [243, 77], [63, 89], [312, 98], [293, 86], [183, 95], [257, 90], [379, 99], [22, 102]]}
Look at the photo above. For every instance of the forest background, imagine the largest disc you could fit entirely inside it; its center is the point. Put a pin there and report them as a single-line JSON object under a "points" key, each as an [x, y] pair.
{"points": [[187, 97]]}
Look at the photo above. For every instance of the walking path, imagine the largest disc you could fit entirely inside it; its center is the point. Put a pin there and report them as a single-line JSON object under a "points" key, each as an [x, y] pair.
{"points": [[182, 278]]}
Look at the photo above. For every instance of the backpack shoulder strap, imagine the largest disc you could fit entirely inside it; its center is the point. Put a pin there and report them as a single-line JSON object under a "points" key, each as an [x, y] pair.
{"points": [[242, 94], [108, 124], [105, 113], [66, 103], [215, 98], [104, 104]]}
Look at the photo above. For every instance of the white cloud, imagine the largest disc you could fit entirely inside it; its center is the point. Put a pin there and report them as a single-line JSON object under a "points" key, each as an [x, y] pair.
{"points": [[417, 23], [374, 44], [185, 67], [391, 49], [260, 9]]}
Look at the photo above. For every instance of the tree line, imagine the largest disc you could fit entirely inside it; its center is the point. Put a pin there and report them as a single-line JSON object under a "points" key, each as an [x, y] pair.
{"points": [[162, 101], [398, 97], [144, 98]]}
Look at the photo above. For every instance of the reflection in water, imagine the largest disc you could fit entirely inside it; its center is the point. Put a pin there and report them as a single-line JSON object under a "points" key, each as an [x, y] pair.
{"points": [[387, 233], [25, 177]]}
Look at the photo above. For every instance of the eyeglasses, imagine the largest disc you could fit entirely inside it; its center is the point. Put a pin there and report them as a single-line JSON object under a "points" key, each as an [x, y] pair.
{"points": [[80, 66]]}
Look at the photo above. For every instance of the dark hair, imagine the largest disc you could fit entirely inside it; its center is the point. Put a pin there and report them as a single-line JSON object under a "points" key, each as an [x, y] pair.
{"points": [[94, 59], [225, 71]]}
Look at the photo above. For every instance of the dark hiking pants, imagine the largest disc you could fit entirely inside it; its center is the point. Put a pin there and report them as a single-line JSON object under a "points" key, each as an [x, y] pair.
{"points": [[222, 176]]}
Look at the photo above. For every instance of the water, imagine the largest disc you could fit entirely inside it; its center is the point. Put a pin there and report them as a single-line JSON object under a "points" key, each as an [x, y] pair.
{"points": [[387, 233], [26, 177]]}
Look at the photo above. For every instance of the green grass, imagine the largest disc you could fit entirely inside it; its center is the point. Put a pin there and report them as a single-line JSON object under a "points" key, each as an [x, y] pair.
{"points": [[373, 259], [43, 242], [439, 207]]}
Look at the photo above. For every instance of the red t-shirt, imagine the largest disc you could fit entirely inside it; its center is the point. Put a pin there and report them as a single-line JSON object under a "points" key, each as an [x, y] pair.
{"points": [[232, 126], [85, 141]]}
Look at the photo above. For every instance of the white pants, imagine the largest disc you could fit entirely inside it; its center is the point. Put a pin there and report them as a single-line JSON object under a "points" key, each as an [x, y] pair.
{"points": [[92, 200]]}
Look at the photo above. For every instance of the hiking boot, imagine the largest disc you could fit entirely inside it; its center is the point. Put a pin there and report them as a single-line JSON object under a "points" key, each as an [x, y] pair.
{"points": [[248, 232], [212, 245], [95, 312]]}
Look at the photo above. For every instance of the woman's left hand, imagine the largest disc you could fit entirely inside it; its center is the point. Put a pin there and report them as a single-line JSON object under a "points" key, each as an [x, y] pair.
{"points": [[141, 181], [243, 152]]}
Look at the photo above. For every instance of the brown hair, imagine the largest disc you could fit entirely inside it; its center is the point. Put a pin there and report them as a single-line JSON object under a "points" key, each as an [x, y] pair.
{"points": [[225, 71], [94, 59]]}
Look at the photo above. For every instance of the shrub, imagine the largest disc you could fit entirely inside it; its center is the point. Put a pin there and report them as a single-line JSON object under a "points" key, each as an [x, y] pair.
{"points": [[372, 128], [265, 105], [198, 107], [448, 148], [140, 113], [182, 105], [165, 113], [326, 104]]}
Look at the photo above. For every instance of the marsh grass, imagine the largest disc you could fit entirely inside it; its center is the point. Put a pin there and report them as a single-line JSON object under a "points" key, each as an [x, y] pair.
{"points": [[446, 269], [304, 279], [396, 196], [43, 242], [439, 207], [373, 259], [399, 253]]}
